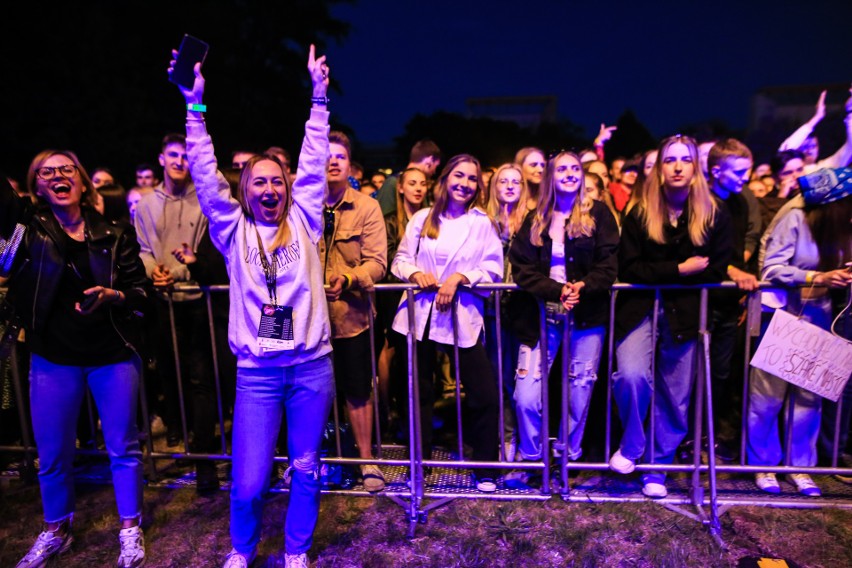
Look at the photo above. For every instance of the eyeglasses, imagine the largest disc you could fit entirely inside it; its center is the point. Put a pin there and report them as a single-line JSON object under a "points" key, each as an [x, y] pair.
{"points": [[329, 222], [47, 172]]}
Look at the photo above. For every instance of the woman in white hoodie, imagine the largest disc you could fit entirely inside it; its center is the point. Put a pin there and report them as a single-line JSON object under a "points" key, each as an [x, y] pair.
{"points": [[278, 321]]}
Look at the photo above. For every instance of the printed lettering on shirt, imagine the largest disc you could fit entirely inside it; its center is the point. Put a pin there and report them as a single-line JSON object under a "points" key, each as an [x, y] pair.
{"points": [[282, 260]]}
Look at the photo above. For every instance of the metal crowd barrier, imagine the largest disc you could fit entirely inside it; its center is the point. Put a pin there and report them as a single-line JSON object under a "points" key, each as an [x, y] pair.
{"points": [[409, 487]]}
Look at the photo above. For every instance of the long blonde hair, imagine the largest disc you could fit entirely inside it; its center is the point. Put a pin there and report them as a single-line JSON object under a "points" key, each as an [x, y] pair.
{"points": [[401, 217], [246, 176], [508, 222], [580, 223], [431, 227], [702, 208]]}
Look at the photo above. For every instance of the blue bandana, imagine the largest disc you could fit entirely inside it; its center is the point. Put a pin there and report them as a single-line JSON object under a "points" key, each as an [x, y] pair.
{"points": [[826, 185]]}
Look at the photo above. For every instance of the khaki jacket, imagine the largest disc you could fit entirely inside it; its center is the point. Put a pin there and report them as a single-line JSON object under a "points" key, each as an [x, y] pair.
{"points": [[358, 248]]}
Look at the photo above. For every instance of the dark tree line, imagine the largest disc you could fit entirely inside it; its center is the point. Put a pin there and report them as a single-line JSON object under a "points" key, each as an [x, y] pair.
{"points": [[91, 76]]}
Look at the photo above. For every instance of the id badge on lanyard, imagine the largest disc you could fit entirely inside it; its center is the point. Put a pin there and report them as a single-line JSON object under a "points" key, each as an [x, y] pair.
{"points": [[275, 329]]}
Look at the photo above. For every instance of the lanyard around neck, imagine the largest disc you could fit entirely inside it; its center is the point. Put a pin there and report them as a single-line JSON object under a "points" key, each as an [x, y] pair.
{"points": [[268, 272]]}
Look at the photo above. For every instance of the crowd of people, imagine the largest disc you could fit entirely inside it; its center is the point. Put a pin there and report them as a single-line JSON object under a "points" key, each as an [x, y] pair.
{"points": [[95, 285]]}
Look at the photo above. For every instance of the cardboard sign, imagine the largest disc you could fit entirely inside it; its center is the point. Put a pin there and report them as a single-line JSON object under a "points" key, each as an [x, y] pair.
{"points": [[805, 355]]}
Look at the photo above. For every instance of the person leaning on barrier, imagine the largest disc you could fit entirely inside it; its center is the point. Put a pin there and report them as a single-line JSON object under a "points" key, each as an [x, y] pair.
{"points": [[80, 285], [279, 327], [507, 207], [729, 162], [450, 244], [676, 234], [565, 255], [353, 252], [808, 244], [410, 195]]}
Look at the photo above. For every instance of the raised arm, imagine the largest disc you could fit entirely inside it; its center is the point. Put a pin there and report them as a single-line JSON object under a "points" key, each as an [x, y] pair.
{"points": [[310, 186], [843, 156], [214, 192], [797, 138]]}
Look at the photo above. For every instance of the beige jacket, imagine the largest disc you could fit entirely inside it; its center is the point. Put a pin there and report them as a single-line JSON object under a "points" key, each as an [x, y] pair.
{"points": [[358, 248]]}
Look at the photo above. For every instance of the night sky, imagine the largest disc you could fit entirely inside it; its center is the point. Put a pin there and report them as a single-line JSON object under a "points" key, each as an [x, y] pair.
{"points": [[672, 63], [91, 76]]}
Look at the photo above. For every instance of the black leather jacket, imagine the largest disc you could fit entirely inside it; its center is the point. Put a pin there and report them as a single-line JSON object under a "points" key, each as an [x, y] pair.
{"points": [[36, 273]]}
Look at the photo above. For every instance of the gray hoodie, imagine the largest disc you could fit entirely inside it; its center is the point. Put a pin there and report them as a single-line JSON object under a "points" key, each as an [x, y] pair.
{"points": [[163, 223]]}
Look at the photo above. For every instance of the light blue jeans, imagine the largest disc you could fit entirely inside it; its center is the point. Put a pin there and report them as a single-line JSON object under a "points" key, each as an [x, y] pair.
{"points": [[633, 384], [766, 402], [304, 393], [56, 394], [585, 347]]}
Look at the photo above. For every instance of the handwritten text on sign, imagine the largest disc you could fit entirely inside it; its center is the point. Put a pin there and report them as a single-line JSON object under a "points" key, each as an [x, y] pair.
{"points": [[804, 355]]}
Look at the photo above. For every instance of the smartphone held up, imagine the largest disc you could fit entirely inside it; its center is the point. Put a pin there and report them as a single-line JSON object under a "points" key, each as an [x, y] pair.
{"points": [[191, 51]]}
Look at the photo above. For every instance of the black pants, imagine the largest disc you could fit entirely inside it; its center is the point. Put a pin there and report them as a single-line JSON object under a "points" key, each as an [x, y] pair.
{"points": [[481, 398]]}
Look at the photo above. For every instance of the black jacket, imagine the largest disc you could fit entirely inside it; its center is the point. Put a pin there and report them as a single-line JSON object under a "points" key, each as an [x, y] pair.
{"points": [[113, 257], [642, 261], [592, 260]]}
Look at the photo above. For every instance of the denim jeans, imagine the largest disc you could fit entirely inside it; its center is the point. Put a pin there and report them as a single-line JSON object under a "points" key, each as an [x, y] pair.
{"points": [[671, 383], [304, 393], [585, 353], [56, 394], [766, 401]]}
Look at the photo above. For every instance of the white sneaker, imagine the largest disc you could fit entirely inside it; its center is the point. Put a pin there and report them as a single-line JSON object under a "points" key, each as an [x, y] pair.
{"points": [[805, 484], [620, 464], [238, 560], [47, 545], [767, 482], [132, 548], [296, 560], [654, 490], [485, 484]]}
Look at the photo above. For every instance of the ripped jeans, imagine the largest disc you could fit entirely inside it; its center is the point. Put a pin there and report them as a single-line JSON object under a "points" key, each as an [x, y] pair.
{"points": [[585, 346], [304, 393]]}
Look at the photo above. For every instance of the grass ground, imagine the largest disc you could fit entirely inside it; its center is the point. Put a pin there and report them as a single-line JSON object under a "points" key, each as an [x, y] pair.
{"points": [[185, 530]]}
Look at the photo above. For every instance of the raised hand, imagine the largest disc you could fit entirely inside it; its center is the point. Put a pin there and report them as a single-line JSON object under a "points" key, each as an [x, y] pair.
{"points": [[319, 72], [820, 108], [196, 94], [604, 134]]}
